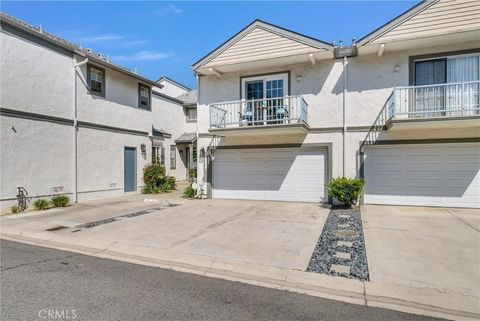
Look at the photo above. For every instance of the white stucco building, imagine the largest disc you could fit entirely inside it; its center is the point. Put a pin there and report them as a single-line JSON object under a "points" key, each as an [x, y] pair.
{"points": [[81, 125], [276, 114], [280, 113]]}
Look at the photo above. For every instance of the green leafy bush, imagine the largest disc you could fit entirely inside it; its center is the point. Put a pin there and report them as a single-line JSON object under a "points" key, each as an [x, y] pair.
{"points": [[346, 190], [156, 181], [14, 209], [147, 189], [60, 201], [168, 184], [40, 204], [189, 192], [153, 175]]}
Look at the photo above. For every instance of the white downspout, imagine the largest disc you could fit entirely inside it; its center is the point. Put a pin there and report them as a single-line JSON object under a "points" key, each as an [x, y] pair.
{"points": [[344, 130], [75, 128]]}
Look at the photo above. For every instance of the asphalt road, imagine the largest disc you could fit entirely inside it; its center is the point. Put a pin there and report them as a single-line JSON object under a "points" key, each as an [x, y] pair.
{"points": [[44, 284]]}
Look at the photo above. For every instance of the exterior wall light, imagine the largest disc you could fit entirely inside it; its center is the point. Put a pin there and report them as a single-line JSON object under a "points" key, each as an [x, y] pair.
{"points": [[143, 148], [396, 68], [202, 154]]}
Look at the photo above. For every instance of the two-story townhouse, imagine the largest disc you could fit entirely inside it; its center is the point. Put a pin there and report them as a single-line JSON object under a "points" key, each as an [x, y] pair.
{"points": [[74, 123], [280, 113]]}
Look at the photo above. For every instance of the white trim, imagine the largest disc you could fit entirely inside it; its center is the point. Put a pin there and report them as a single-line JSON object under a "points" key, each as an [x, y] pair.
{"points": [[279, 76]]}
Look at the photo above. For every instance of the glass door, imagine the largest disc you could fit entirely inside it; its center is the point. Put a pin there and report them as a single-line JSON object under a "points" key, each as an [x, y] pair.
{"points": [[276, 109], [429, 100], [264, 99], [253, 112], [463, 99]]}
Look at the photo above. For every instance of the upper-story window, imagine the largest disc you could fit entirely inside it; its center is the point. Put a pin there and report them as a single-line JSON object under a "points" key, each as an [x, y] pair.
{"points": [[265, 97], [96, 80], [144, 100], [191, 114], [450, 69]]}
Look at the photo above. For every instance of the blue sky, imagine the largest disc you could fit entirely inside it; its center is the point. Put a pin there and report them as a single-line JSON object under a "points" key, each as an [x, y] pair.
{"points": [[165, 38]]}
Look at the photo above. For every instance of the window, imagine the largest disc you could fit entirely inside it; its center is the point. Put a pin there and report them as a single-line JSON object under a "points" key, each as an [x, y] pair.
{"points": [[96, 80], [162, 156], [446, 86], [158, 155], [173, 157], [191, 114], [143, 97]]}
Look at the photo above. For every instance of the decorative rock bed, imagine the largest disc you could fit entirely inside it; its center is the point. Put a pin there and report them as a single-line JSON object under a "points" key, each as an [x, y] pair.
{"points": [[340, 249]]}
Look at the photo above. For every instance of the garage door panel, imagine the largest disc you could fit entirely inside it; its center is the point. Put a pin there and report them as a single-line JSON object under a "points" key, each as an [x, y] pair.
{"points": [[433, 175], [284, 174]]}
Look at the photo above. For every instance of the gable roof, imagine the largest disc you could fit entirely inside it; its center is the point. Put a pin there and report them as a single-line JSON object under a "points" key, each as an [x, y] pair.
{"points": [[176, 83], [288, 39], [428, 18]]}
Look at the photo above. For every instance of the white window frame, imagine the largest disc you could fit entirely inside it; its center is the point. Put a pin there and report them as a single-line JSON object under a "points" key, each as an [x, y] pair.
{"points": [[191, 120], [280, 76]]}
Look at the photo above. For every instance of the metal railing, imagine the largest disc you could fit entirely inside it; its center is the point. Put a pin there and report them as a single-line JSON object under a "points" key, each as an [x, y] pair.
{"points": [[380, 122], [259, 112], [442, 100]]}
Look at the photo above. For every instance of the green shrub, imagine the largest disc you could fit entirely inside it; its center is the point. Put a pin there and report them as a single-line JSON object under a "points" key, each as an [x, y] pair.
{"points": [[168, 184], [189, 192], [156, 181], [346, 190], [41, 204], [193, 173], [60, 201], [14, 209], [147, 189], [153, 175]]}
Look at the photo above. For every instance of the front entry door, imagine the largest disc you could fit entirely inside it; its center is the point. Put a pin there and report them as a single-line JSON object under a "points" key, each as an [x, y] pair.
{"points": [[130, 168]]}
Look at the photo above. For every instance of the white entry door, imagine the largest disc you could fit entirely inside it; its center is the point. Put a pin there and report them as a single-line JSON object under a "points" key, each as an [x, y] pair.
{"points": [[279, 174], [431, 175]]}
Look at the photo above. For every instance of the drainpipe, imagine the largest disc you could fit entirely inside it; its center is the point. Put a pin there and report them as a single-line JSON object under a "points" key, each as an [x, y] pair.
{"points": [[344, 130], [75, 129]]}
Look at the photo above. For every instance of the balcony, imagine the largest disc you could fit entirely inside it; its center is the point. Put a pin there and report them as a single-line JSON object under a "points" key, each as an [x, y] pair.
{"points": [[265, 114], [431, 107], [435, 101]]}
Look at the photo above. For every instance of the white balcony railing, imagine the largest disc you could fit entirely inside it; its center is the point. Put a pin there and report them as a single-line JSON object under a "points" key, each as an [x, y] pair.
{"points": [[442, 100], [259, 112]]}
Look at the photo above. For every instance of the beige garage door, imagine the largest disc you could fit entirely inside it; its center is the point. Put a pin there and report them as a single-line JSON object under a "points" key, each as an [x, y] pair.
{"points": [[279, 174], [431, 175]]}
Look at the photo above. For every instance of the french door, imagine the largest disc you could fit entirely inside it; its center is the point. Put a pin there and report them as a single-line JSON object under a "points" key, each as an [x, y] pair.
{"points": [[264, 99]]}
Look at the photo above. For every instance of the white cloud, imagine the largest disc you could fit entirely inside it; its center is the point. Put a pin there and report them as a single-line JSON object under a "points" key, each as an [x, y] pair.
{"points": [[173, 9], [144, 55], [131, 43], [170, 9], [102, 37]]}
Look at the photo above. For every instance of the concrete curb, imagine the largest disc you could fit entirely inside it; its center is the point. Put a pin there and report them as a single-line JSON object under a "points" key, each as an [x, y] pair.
{"points": [[422, 301]]}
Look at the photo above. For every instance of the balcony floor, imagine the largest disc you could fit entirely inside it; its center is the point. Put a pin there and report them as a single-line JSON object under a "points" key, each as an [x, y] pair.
{"points": [[433, 123], [297, 128]]}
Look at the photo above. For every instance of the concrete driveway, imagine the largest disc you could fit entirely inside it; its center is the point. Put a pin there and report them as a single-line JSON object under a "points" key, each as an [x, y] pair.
{"points": [[274, 234], [437, 248], [269, 233]]}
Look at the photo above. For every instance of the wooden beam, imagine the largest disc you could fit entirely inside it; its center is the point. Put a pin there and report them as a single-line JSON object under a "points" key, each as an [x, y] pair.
{"points": [[215, 72], [381, 48]]}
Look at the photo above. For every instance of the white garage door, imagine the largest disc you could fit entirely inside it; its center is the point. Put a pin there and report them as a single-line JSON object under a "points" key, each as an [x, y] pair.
{"points": [[280, 174], [432, 175]]}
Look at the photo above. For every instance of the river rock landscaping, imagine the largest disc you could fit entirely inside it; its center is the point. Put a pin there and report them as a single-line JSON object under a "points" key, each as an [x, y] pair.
{"points": [[340, 250]]}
